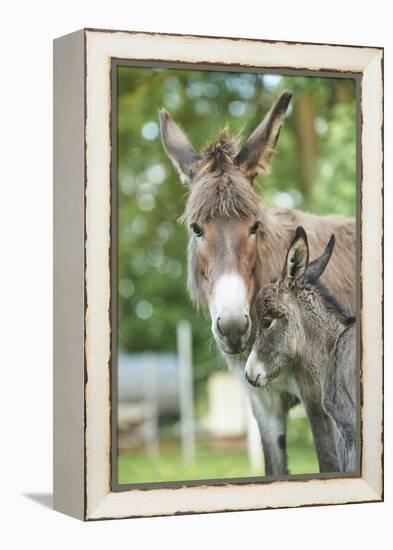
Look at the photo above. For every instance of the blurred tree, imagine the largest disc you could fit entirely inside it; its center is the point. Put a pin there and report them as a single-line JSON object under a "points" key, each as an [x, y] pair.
{"points": [[307, 144]]}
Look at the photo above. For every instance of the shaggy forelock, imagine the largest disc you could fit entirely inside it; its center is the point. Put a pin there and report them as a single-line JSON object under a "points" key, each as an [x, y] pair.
{"points": [[220, 189]]}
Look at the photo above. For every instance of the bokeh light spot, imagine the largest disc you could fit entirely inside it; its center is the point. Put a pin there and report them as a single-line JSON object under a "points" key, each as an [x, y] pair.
{"points": [[144, 310], [150, 131]]}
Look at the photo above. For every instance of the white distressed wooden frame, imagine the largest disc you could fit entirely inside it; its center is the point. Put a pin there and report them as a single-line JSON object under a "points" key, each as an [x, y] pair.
{"points": [[82, 399]]}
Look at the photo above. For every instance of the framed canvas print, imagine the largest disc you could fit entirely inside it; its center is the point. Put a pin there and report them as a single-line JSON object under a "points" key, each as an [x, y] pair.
{"points": [[218, 326]]}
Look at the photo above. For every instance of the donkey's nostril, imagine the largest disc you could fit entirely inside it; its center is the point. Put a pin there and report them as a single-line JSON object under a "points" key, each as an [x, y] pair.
{"points": [[243, 325], [247, 324], [218, 326]]}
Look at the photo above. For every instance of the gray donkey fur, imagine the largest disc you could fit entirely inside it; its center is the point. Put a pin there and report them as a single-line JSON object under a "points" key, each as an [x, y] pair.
{"points": [[299, 320]]}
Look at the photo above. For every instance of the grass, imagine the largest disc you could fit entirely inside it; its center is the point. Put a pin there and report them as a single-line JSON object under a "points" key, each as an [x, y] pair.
{"points": [[212, 462]]}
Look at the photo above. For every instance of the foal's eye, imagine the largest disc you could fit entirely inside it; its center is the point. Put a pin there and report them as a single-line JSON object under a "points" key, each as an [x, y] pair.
{"points": [[254, 228], [196, 229], [265, 323]]}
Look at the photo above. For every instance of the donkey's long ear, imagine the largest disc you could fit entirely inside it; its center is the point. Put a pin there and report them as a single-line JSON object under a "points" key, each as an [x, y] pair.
{"points": [[178, 148], [318, 266], [297, 258], [257, 153]]}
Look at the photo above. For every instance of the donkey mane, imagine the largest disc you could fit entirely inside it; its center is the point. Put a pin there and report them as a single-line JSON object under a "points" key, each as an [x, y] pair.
{"points": [[333, 305]]}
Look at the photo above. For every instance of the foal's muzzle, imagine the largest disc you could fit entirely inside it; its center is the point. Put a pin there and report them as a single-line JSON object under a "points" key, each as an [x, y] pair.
{"points": [[255, 371]]}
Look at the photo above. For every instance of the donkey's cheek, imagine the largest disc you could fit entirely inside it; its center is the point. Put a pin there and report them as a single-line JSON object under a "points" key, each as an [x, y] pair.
{"points": [[203, 265], [251, 290]]}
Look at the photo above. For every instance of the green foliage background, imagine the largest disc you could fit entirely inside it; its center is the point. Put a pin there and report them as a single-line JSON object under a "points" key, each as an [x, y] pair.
{"points": [[314, 169]]}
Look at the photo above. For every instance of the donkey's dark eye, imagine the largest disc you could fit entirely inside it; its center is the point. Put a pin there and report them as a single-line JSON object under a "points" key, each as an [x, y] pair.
{"points": [[254, 228], [265, 323], [197, 230]]}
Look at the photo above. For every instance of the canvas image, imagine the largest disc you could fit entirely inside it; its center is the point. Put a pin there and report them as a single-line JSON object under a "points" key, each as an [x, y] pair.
{"points": [[235, 260]]}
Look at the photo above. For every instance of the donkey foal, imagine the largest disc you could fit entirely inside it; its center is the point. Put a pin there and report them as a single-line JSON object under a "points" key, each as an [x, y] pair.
{"points": [[300, 321]]}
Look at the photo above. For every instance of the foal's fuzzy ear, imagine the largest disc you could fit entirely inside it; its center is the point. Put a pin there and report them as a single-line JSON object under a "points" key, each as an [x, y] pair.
{"points": [[296, 261], [257, 153], [178, 147], [318, 266]]}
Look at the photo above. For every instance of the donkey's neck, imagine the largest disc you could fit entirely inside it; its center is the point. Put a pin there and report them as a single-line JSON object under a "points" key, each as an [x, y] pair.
{"points": [[322, 334], [275, 234]]}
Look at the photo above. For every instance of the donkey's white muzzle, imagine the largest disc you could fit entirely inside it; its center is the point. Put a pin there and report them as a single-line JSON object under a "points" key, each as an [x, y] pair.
{"points": [[229, 310], [255, 371]]}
